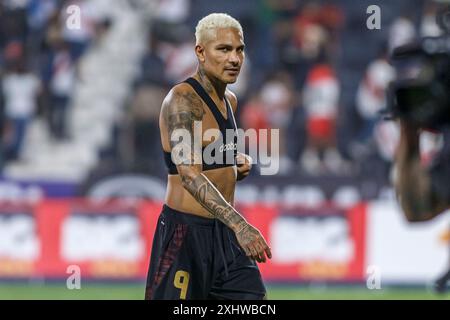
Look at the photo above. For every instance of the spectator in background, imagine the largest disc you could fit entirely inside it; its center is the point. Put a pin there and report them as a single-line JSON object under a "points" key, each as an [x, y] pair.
{"points": [[141, 150], [313, 14], [39, 13], [180, 61], [386, 135], [277, 96], [173, 12], [170, 27], [59, 77], [139, 138], [374, 142], [254, 116], [401, 32], [303, 49], [271, 108], [173, 44], [273, 26], [20, 90], [371, 97], [78, 39], [13, 21], [152, 64], [320, 101], [314, 26], [428, 25]]}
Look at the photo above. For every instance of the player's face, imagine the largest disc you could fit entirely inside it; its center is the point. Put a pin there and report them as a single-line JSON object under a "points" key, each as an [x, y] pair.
{"points": [[224, 54]]}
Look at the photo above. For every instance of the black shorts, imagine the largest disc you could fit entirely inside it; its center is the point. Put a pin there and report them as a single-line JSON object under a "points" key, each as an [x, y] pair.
{"points": [[199, 258]]}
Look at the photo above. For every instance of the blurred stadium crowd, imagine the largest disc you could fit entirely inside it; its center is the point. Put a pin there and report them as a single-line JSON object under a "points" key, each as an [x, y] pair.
{"points": [[78, 102]]}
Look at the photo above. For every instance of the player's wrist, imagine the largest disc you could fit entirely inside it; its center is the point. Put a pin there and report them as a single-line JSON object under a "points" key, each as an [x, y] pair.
{"points": [[240, 226]]}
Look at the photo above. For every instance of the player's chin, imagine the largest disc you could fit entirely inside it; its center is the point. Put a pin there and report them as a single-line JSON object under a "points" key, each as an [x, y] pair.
{"points": [[229, 79]]}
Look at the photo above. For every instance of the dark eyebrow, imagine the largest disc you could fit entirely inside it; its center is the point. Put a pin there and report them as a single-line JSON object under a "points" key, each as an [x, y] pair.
{"points": [[224, 45], [228, 46]]}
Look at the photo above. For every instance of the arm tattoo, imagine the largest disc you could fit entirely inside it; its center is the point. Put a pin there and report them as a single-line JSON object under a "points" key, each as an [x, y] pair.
{"points": [[210, 198], [182, 112]]}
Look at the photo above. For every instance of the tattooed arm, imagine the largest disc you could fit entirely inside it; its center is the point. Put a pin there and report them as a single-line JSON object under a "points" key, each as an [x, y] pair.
{"points": [[413, 183], [183, 109]]}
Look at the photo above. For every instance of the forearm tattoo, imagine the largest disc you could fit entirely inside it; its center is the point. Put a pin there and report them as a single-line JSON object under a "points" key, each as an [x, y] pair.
{"points": [[210, 198]]}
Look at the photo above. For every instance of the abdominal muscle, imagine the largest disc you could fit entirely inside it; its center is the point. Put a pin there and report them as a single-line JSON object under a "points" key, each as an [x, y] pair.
{"points": [[178, 198]]}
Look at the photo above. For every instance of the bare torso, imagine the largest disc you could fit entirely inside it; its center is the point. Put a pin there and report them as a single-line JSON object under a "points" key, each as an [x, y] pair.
{"points": [[224, 179]]}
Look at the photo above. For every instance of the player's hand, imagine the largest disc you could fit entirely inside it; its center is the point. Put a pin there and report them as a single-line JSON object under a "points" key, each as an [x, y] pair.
{"points": [[253, 243], [244, 165]]}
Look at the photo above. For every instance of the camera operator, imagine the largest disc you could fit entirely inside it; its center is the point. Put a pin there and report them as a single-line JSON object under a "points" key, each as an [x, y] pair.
{"points": [[423, 193], [420, 99]]}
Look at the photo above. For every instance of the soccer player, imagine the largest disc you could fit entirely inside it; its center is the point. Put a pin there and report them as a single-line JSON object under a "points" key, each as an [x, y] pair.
{"points": [[203, 247]]}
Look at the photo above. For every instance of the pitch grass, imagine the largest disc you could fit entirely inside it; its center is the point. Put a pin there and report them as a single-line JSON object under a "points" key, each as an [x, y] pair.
{"points": [[58, 291]]}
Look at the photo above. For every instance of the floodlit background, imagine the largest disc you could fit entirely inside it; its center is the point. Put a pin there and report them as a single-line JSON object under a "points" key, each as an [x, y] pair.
{"points": [[82, 82]]}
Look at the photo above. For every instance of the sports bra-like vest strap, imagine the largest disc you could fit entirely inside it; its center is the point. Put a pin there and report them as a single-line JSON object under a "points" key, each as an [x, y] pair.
{"points": [[221, 121]]}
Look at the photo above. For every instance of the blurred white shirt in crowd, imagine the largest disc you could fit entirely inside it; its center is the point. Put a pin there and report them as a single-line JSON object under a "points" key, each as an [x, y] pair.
{"points": [[63, 79], [180, 60], [387, 137], [20, 91], [321, 93], [401, 32], [371, 95], [276, 98], [175, 11], [429, 27]]}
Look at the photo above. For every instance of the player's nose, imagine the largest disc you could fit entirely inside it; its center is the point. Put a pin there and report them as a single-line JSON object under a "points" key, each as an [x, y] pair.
{"points": [[234, 58]]}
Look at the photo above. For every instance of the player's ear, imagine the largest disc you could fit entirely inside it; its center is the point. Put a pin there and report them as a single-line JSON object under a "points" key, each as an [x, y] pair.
{"points": [[200, 52]]}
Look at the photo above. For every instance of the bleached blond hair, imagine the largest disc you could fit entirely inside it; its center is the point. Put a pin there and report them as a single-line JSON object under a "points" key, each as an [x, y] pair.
{"points": [[206, 27]]}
